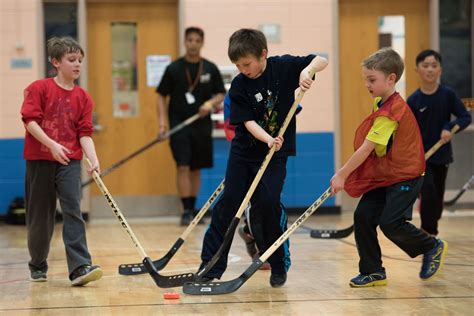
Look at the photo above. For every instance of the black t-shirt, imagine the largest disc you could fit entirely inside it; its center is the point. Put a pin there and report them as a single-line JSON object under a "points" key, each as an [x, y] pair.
{"points": [[266, 100], [433, 113], [175, 84]]}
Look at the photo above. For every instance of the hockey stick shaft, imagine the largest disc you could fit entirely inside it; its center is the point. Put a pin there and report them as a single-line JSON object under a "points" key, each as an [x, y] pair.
{"points": [[233, 225], [157, 140], [342, 233], [113, 205]]}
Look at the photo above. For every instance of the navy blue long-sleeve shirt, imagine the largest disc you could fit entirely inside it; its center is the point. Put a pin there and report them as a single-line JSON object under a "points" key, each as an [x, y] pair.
{"points": [[433, 113]]}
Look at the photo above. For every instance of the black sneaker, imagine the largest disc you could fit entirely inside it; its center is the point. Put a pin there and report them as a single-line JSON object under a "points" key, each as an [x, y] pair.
{"points": [[85, 274], [38, 276], [186, 218], [277, 280]]}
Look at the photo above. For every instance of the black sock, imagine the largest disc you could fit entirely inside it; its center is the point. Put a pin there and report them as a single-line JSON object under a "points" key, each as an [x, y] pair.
{"points": [[187, 203], [193, 202]]}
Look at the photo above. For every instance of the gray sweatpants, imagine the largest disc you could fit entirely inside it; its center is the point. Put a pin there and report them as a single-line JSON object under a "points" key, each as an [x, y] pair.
{"points": [[45, 181]]}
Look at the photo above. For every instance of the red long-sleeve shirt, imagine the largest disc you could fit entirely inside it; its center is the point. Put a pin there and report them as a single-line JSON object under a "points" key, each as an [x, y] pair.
{"points": [[64, 115]]}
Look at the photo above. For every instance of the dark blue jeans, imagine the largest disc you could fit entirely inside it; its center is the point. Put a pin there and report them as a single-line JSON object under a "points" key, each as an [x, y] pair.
{"points": [[268, 219]]}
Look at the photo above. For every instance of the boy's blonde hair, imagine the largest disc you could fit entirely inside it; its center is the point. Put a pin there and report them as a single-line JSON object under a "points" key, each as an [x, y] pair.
{"points": [[387, 61], [59, 46]]}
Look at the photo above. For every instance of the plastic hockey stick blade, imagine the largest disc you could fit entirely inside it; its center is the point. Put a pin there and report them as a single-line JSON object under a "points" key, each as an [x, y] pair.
{"points": [[225, 287], [163, 281], [139, 268], [332, 233], [465, 187]]}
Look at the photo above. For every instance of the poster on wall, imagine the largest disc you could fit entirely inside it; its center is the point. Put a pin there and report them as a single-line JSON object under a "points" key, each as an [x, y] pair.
{"points": [[155, 68]]}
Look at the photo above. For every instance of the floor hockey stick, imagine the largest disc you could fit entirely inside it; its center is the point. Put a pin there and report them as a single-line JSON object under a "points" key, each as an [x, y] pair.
{"points": [[322, 63], [157, 140], [343, 233], [226, 287], [465, 187], [161, 281], [139, 268]]}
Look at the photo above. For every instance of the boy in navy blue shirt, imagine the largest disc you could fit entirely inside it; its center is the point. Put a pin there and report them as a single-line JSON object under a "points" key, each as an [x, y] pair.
{"points": [[261, 97], [433, 104]]}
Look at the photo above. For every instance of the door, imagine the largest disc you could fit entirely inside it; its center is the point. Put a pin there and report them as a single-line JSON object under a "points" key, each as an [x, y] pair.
{"points": [[120, 37], [359, 36]]}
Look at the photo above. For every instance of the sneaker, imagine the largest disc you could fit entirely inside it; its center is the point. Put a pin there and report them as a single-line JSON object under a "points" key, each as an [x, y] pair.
{"points": [[433, 260], [249, 241], [186, 218], [38, 276], [85, 274], [277, 280], [372, 279]]}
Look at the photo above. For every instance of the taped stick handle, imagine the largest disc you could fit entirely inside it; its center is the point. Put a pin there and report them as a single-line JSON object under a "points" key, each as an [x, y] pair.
{"points": [[113, 205]]}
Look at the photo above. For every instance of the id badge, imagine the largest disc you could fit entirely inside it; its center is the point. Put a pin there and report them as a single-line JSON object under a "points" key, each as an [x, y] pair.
{"points": [[190, 98]]}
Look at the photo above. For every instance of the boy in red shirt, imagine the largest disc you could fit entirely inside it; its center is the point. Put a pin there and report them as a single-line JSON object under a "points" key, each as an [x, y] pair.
{"points": [[386, 169], [57, 116]]}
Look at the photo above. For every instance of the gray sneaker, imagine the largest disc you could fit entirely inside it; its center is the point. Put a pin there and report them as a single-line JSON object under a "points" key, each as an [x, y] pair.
{"points": [[85, 274], [38, 276]]}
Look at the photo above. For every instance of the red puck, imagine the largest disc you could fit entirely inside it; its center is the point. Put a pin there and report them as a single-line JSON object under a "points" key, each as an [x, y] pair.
{"points": [[171, 295]]}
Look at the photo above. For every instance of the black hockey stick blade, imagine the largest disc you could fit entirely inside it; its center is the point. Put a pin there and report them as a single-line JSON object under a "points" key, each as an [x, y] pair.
{"points": [[139, 268], [166, 281], [225, 287], [465, 187], [181, 279], [332, 233]]}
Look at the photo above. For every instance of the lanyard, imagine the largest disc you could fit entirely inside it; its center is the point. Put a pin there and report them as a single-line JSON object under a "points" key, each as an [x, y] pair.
{"points": [[192, 84]]}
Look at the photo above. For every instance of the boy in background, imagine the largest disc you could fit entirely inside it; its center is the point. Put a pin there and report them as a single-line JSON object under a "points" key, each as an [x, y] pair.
{"points": [[433, 104]]}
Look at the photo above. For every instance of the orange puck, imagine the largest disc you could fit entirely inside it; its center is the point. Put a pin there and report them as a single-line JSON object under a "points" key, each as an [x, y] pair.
{"points": [[171, 296]]}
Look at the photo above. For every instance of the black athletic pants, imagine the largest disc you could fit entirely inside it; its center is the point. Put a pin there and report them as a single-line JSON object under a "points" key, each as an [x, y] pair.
{"points": [[432, 197], [390, 208]]}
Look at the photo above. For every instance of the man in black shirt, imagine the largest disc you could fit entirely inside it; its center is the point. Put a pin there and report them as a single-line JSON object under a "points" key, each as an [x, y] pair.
{"points": [[194, 85]]}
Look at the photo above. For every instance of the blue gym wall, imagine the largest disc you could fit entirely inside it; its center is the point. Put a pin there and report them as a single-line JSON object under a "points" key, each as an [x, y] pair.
{"points": [[12, 172], [308, 173]]}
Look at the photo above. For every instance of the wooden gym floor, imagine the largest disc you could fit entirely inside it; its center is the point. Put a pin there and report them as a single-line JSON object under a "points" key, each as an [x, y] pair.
{"points": [[317, 282]]}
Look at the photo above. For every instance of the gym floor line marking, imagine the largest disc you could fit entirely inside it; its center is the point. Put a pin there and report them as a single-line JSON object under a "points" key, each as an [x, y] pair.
{"points": [[243, 302]]}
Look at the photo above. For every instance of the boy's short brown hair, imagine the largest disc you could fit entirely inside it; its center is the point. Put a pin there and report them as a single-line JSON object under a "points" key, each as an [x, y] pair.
{"points": [[59, 46], [246, 42], [385, 60]]}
